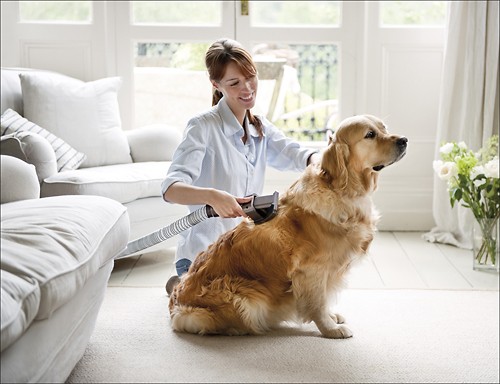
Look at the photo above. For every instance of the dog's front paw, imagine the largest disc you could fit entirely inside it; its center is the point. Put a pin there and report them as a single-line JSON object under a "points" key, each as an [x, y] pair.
{"points": [[339, 332], [339, 319]]}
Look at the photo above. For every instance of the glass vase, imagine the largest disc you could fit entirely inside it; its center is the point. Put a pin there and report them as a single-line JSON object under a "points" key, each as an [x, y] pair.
{"points": [[485, 236]]}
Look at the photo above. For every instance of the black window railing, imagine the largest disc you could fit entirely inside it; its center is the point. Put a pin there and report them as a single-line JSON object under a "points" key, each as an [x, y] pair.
{"points": [[312, 110]]}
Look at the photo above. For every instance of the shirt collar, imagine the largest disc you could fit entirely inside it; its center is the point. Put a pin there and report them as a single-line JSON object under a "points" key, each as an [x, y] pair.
{"points": [[251, 129], [231, 125]]}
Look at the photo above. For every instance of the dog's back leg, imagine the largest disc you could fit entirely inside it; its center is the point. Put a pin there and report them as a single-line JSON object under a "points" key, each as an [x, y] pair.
{"points": [[192, 320], [206, 321]]}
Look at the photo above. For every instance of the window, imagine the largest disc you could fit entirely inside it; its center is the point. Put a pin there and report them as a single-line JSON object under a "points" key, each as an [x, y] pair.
{"points": [[176, 12], [56, 11], [295, 13], [171, 83], [306, 104], [307, 45], [299, 81], [412, 13]]}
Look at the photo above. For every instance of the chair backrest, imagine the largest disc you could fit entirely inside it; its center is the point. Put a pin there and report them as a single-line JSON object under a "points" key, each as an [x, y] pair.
{"points": [[271, 69]]}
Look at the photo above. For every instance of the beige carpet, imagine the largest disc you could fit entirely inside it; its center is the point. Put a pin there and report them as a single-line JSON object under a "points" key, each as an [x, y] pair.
{"points": [[399, 336]]}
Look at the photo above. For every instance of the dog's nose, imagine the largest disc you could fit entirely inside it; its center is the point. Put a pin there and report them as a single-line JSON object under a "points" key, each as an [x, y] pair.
{"points": [[402, 142]]}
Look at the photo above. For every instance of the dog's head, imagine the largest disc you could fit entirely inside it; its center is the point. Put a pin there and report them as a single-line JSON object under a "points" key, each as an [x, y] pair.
{"points": [[360, 147]]}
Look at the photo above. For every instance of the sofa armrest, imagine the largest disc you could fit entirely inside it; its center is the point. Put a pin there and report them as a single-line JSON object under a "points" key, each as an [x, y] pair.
{"points": [[33, 149], [18, 180], [156, 142]]}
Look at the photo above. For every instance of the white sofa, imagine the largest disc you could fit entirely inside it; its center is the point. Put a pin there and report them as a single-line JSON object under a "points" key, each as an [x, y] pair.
{"points": [[126, 166], [56, 257]]}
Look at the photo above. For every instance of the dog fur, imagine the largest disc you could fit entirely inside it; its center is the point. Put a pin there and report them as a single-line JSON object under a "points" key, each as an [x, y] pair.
{"points": [[256, 276]]}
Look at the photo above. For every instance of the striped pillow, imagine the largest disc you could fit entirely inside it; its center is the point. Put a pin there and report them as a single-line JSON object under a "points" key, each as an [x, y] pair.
{"points": [[67, 157]]}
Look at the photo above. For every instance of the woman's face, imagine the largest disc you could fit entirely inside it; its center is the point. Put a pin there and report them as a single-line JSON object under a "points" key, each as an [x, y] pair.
{"points": [[239, 91]]}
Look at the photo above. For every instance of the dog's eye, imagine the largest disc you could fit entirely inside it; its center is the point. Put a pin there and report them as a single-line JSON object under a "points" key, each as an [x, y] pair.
{"points": [[370, 135]]}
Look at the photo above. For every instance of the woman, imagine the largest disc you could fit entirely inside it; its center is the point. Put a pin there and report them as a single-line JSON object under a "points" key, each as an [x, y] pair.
{"points": [[224, 153]]}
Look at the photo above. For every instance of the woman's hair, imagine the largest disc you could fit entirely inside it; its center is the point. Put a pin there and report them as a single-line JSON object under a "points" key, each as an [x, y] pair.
{"points": [[219, 55]]}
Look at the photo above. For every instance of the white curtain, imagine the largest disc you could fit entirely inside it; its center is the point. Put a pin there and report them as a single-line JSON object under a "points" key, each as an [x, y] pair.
{"points": [[469, 103]]}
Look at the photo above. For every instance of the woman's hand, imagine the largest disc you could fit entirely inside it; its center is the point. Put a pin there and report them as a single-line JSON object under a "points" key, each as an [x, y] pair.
{"points": [[224, 204], [227, 205]]}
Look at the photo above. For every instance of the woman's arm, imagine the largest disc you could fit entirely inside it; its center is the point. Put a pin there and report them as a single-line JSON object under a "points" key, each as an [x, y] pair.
{"points": [[224, 204], [285, 153]]}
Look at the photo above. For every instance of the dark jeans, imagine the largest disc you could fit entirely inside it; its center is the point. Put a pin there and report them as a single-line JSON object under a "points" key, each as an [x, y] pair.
{"points": [[182, 266]]}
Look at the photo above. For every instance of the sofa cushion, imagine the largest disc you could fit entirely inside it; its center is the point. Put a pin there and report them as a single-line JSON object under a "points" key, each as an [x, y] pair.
{"points": [[66, 156], [86, 115], [26, 184], [33, 149], [120, 182], [50, 248], [155, 142]]}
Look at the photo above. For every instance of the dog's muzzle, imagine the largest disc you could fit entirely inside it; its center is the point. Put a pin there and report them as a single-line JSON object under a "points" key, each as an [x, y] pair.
{"points": [[401, 145]]}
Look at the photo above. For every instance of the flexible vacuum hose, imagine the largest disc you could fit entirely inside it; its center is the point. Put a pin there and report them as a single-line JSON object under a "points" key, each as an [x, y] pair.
{"points": [[169, 231]]}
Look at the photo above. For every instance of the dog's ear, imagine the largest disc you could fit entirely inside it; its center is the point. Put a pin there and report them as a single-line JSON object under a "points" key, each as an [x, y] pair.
{"points": [[334, 164]]}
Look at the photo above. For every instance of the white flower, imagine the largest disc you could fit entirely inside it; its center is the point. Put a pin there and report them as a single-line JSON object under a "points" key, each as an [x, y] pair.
{"points": [[476, 171], [462, 145], [478, 183], [446, 148], [437, 165], [491, 168], [445, 171]]}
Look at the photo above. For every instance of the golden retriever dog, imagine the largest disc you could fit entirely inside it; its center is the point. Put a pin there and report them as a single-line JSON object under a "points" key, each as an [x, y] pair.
{"points": [[256, 276]]}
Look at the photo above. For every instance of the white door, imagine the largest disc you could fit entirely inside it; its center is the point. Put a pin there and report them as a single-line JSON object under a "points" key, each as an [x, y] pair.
{"points": [[400, 82]]}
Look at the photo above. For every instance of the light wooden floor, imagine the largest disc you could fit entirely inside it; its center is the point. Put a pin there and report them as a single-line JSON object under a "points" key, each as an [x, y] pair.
{"points": [[397, 260]]}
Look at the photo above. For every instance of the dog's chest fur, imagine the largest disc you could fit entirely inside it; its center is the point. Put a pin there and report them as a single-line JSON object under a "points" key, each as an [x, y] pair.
{"points": [[346, 223]]}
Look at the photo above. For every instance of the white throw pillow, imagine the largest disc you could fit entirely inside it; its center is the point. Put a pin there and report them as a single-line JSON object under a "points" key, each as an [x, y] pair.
{"points": [[67, 157], [86, 115]]}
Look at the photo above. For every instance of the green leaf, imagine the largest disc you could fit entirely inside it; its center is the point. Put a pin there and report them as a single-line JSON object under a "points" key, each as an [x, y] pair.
{"points": [[457, 194]]}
